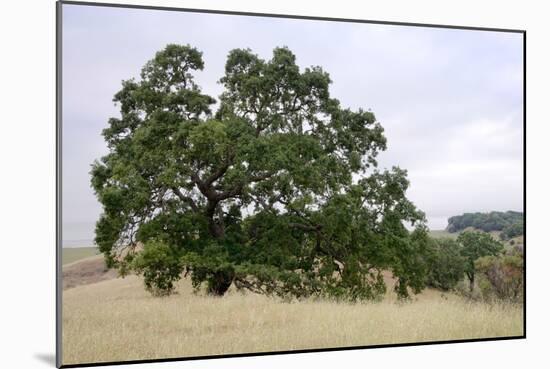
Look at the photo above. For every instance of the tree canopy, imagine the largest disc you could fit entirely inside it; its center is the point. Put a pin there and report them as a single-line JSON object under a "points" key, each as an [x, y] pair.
{"points": [[273, 188], [447, 263]]}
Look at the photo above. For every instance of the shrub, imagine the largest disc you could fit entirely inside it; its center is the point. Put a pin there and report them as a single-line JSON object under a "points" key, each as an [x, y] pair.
{"points": [[501, 276]]}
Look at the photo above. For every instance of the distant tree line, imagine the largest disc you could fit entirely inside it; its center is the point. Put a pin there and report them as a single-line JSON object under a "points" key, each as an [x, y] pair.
{"points": [[512, 230], [510, 222]]}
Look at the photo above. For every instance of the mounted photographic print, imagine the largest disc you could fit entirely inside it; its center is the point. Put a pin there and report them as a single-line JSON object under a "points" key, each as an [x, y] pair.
{"points": [[240, 184]]}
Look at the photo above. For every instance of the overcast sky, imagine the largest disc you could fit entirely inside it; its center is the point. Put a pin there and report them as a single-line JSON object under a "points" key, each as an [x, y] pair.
{"points": [[450, 101]]}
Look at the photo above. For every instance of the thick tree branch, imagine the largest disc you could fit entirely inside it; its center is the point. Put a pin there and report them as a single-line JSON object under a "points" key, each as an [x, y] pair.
{"points": [[205, 189], [220, 171], [185, 199], [305, 227], [252, 287], [237, 190], [261, 177]]}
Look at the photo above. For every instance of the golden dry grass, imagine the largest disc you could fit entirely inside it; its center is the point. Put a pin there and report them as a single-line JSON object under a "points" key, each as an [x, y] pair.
{"points": [[118, 320]]}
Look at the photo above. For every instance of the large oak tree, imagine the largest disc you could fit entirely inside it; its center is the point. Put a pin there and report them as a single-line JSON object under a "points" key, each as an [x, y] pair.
{"points": [[277, 191]]}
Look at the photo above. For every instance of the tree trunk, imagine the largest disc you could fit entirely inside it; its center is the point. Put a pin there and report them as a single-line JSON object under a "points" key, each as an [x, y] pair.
{"points": [[221, 280], [216, 229], [220, 283], [471, 278]]}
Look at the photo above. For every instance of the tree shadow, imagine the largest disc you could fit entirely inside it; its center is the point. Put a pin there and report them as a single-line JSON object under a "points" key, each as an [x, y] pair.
{"points": [[46, 358]]}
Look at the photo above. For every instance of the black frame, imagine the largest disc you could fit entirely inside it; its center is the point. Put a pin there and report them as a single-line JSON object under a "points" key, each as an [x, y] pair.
{"points": [[58, 113]]}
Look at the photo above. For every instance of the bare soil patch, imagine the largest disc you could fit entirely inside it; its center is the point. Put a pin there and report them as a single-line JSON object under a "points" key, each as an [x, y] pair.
{"points": [[86, 271]]}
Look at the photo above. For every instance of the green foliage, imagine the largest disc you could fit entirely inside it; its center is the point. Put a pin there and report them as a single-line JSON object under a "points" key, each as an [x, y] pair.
{"points": [[512, 230], [446, 264], [493, 221], [502, 276], [160, 266], [475, 245], [277, 191]]}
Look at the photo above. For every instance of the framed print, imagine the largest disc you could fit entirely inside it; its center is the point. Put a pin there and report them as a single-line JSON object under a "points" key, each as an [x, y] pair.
{"points": [[238, 184]]}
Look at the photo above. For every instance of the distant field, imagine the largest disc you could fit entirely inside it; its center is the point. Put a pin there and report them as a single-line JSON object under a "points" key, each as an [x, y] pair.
{"points": [[495, 234], [72, 254], [443, 233], [117, 319]]}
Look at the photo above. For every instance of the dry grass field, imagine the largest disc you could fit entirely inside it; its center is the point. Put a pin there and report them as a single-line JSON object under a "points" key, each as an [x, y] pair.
{"points": [[116, 319]]}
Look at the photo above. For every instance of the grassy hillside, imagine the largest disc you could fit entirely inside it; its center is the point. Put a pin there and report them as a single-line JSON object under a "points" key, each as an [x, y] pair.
{"points": [[72, 254], [86, 271], [117, 319], [495, 234], [441, 233]]}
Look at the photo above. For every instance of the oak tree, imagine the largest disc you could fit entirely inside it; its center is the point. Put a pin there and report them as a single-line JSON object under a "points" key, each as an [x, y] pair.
{"points": [[474, 245], [273, 188]]}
